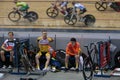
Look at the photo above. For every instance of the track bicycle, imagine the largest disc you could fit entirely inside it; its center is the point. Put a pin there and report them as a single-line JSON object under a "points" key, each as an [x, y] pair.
{"points": [[53, 11], [16, 15], [89, 64]]}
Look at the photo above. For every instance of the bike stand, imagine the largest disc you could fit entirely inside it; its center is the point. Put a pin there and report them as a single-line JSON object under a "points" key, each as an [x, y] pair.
{"points": [[38, 72], [102, 74], [2, 75], [5, 70], [35, 72], [116, 72]]}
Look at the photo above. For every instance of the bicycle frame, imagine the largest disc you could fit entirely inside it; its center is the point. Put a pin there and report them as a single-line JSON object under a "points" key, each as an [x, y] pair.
{"points": [[16, 10], [89, 51], [89, 65], [54, 6]]}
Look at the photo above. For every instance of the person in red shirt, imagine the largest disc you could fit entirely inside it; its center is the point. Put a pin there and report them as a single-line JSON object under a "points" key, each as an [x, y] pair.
{"points": [[72, 49]]}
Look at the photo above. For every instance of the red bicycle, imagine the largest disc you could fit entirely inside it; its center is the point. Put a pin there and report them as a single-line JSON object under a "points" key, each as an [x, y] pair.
{"points": [[53, 11]]}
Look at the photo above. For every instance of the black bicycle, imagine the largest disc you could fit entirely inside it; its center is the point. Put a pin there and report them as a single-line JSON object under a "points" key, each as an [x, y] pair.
{"points": [[16, 14], [89, 64], [24, 58]]}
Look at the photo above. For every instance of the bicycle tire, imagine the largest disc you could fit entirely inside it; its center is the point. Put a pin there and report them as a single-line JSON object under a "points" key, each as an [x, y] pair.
{"points": [[32, 16], [51, 12], [101, 6], [12, 15], [89, 20], [87, 69], [69, 21]]}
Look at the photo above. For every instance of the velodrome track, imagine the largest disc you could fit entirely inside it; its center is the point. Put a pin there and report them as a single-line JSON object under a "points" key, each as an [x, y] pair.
{"points": [[106, 20]]}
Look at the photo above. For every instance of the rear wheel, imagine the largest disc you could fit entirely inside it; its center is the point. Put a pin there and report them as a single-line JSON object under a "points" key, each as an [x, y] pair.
{"points": [[87, 69], [14, 16], [70, 20], [51, 12], [101, 6], [32, 16], [89, 20]]}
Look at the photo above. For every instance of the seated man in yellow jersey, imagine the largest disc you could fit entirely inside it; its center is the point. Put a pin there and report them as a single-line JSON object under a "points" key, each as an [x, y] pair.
{"points": [[45, 49]]}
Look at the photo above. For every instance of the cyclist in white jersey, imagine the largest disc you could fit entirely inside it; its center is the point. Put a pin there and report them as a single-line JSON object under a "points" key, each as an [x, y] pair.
{"points": [[82, 8], [79, 9]]}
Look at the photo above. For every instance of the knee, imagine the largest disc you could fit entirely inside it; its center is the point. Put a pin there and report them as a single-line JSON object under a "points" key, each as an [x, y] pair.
{"points": [[67, 56], [37, 56], [11, 53], [48, 57], [2, 52], [77, 56]]}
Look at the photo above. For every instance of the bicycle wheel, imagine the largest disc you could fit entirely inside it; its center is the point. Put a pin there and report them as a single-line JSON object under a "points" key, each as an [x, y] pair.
{"points": [[70, 21], [25, 64], [32, 16], [51, 12], [101, 6], [87, 69], [14, 16], [89, 20]]}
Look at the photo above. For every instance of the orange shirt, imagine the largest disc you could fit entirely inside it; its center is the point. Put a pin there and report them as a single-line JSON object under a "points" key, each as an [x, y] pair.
{"points": [[72, 50]]}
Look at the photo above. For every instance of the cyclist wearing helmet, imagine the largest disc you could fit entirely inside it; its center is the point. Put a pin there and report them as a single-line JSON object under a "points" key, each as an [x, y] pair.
{"points": [[22, 6], [79, 6], [62, 6], [79, 9]]}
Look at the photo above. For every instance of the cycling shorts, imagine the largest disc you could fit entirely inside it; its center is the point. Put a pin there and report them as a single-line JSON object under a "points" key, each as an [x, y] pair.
{"points": [[44, 53]]}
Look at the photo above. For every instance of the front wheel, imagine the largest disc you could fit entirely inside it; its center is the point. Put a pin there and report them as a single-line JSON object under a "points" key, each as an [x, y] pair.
{"points": [[32, 16], [87, 69], [70, 19], [14, 16], [51, 12], [101, 6], [89, 20]]}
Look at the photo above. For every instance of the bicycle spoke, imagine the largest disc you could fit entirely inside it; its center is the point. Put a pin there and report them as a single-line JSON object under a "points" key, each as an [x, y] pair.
{"points": [[101, 6], [87, 69]]}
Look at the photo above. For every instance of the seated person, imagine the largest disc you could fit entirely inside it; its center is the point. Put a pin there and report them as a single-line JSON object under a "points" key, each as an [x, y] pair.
{"points": [[72, 49], [45, 49], [8, 46]]}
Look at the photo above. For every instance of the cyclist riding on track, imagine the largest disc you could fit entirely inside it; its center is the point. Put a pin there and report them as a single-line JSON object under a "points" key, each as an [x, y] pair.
{"points": [[62, 5], [81, 9], [22, 6]]}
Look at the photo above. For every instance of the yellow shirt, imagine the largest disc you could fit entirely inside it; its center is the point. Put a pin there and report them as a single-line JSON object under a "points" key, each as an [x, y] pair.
{"points": [[44, 44]]}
